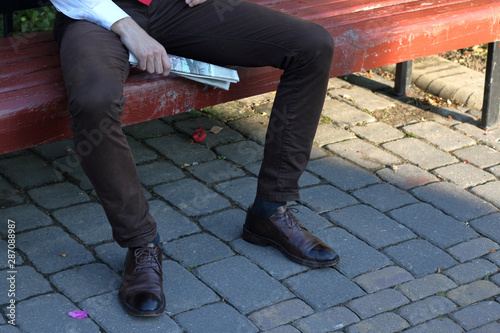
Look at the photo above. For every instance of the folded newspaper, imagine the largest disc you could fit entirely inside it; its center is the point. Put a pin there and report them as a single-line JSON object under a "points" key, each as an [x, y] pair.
{"points": [[199, 71]]}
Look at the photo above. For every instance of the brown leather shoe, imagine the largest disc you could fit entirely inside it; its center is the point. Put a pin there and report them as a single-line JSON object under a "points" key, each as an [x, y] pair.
{"points": [[285, 232], [141, 291]]}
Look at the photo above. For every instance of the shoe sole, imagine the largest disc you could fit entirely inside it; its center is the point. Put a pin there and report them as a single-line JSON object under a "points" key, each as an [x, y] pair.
{"points": [[263, 241], [132, 311]]}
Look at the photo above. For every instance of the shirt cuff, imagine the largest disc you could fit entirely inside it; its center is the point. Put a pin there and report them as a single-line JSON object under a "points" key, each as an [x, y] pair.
{"points": [[107, 13]]}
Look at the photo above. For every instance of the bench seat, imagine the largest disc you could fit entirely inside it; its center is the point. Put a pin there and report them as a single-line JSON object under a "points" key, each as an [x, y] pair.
{"points": [[367, 34]]}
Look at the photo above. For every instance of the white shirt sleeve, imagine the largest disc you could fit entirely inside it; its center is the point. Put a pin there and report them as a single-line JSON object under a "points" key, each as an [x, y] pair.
{"points": [[101, 12]]}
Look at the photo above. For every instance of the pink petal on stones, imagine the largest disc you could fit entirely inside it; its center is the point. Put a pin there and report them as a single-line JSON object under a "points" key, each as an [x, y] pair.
{"points": [[78, 314]]}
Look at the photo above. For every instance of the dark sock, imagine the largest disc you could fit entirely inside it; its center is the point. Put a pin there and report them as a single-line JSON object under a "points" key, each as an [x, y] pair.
{"points": [[263, 209], [156, 240]]}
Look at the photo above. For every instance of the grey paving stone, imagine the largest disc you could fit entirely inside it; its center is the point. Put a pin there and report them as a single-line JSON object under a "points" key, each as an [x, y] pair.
{"points": [[257, 99], [495, 170], [317, 152], [488, 328], [226, 135], [324, 198], [489, 192], [473, 292], [386, 322], [310, 219], [344, 114], [426, 309], [477, 315], [406, 176], [384, 278], [253, 127], [479, 155], [384, 197], [191, 197], [454, 200], [473, 249], [198, 249], [229, 111], [9, 328], [378, 302], [88, 222], [55, 149], [430, 223], [58, 195], [107, 313], [439, 135], [55, 243], [341, 173], [377, 132], [488, 225], [471, 271], [148, 129], [348, 248], [26, 217], [336, 83], [226, 225], [39, 171], [215, 171], [171, 224], [495, 257], [420, 153], [363, 153], [464, 174], [112, 254], [9, 195], [183, 291], [179, 150], [27, 283], [323, 288], [370, 225], [18, 260], [158, 172], [370, 81], [71, 168], [328, 133], [242, 152], [141, 152], [217, 317], [436, 325], [490, 137], [326, 321], [49, 313], [284, 329], [363, 98], [242, 190], [280, 314], [269, 258], [419, 257], [82, 282], [234, 276]]}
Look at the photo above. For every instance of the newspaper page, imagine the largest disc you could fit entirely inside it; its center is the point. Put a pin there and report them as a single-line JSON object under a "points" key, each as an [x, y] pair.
{"points": [[199, 71]]}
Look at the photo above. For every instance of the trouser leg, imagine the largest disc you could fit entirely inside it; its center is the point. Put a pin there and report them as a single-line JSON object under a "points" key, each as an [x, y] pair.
{"points": [[249, 35], [95, 67]]}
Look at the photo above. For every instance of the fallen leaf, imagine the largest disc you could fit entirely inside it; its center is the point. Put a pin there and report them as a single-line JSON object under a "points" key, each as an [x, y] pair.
{"points": [[78, 314], [493, 250], [216, 129], [63, 255], [439, 271]]}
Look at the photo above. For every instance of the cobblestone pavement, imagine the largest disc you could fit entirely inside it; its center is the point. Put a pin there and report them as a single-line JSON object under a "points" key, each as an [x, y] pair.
{"points": [[412, 210]]}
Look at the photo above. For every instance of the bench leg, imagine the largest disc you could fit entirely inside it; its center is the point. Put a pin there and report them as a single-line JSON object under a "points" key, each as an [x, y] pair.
{"points": [[491, 100], [8, 24], [403, 78]]}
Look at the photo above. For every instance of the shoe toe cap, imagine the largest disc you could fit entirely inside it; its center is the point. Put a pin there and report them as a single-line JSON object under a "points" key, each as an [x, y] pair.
{"points": [[146, 302], [324, 254]]}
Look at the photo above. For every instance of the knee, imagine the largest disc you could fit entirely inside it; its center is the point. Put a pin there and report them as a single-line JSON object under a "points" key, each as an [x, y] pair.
{"points": [[317, 45]]}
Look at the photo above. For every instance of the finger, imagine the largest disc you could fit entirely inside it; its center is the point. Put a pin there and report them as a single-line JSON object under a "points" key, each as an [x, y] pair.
{"points": [[158, 64], [166, 64]]}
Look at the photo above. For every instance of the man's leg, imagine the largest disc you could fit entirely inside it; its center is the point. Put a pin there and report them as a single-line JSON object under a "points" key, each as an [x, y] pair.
{"points": [[229, 32], [95, 66]]}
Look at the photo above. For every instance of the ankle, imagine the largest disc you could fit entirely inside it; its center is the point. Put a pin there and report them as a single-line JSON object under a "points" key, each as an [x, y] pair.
{"points": [[264, 209]]}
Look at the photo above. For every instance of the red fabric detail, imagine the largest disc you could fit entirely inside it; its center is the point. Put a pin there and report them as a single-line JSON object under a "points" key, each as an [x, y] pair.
{"points": [[146, 2]]}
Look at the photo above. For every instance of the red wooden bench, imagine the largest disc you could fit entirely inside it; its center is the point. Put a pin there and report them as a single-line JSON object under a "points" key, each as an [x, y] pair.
{"points": [[367, 34]]}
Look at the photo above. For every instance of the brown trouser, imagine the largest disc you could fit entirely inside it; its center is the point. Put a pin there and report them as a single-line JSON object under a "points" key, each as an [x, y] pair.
{"points": [[224, 32]]}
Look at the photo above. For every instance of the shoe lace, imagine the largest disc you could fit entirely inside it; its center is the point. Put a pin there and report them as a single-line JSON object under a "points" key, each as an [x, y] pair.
{"points": [[291, 220], [145, 257]]}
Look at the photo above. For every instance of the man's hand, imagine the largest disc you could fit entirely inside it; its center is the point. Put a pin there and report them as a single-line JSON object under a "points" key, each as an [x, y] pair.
{"points": [[192, 3], [151, 54]]}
